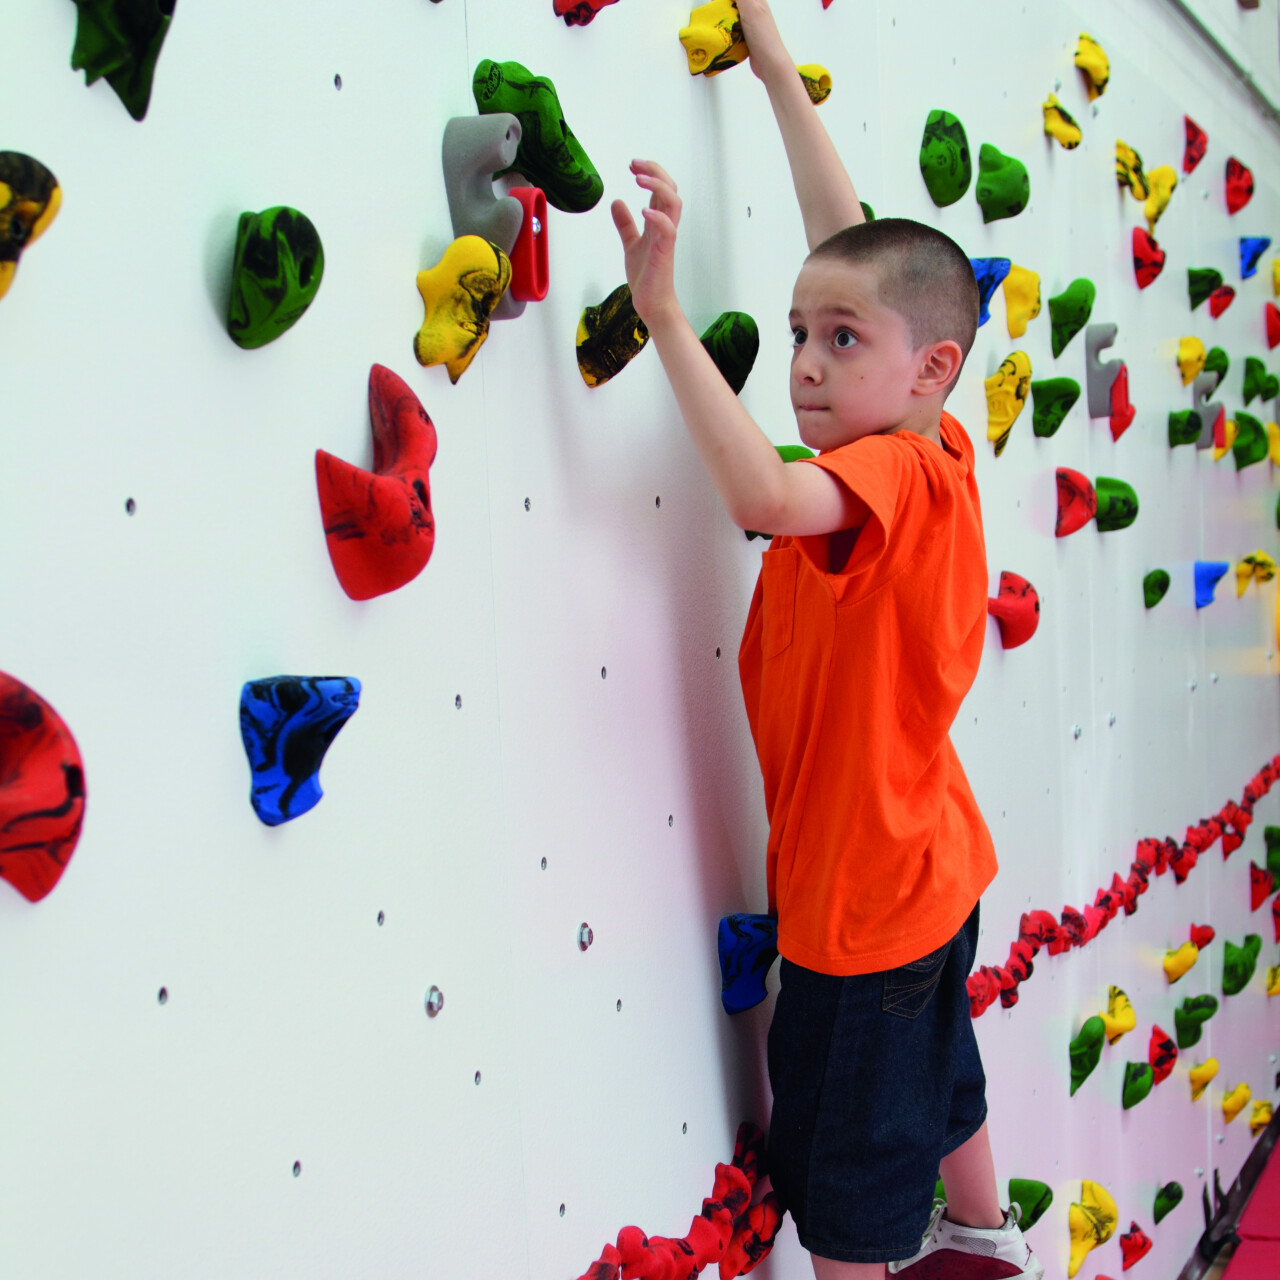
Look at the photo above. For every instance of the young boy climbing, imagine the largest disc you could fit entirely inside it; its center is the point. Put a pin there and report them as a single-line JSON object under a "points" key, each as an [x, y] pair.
{"points": [[862, 639]]}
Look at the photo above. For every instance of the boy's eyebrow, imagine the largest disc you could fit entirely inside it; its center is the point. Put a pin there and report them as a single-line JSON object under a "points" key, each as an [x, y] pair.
{"points": [[835, 309]]}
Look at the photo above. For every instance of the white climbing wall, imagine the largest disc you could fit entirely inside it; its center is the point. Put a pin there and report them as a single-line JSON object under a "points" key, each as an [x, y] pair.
{"points": [[560, 683]]}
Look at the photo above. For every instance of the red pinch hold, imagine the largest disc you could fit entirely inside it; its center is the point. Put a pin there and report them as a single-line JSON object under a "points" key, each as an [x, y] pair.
{"points": [[1077, 502], [1220, 299], [1148, 257], [577, 13], [1122, 412], [1231, 841], [1239, 185], [1135, 1244], [1162, 1054], [1016, 610], [1275, 915], [530, 270], [1197, 141], [1261, 885], [1272, 317]]}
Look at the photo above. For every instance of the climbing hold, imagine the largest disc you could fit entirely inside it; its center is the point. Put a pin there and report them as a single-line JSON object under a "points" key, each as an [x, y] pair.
{"points": [[1154, 587], [945, 163], [1021, 299], [1148, 257], [577, 13], [1220, 299], [1184, 427], [1119, 1018], [1239, 964], [1177, 963], [988, 272], [460, 293], [1003, 187], [1092, 61], [1201, 1074], [287, 723], [378, 524], [1016, 610], [1099, 375], [713, 40], [1129, 172], [1217, 363], [748, 946], [1051, 401], [867, 211], [1092, 1222], [1168, 1198], [1201, 282], [1261, 1117], [1271, 318], [1086, 1050], [1077, 502], [549, 155], [279, 263], [1190, 1017], [530, 264], [1161, 184], [1273, 442], [29, 201], [1196, 143], [1060, 124], [1251, 249], [121, 40], [1135, 1244], [816, 81], [1250, 444], [1273, 974], [1221, 447], [1117, 506], [1007, 391], [733, 342], [42, 791], [1122, 410], [1191, 355], [610, 336], [1207, 574], [1069, 312], [1258, 382], [1262, 884], [1202, 935], [1257, 567], [1212, 416], [1033, 1199], [1162, 1054], [1235, 1101], [1239, 185], [1138, 1079]]}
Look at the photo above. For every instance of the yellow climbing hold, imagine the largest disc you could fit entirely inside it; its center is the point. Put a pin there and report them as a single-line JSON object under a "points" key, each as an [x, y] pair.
{"points": [[1200, 1076], [1129, 170], [1275, 276], [1191, 356], [1258, 567], [817, 82], [1119, 1017], [1273, 443], [1234, 1103], [1261, 1117], [1092, 1222], [1059, 124], [1176, 963], [1021, 299], [1230, 431], [1092, 60], [1273, 980], [1160, 186], [460, 293], [1007, 391], [713, 40]]}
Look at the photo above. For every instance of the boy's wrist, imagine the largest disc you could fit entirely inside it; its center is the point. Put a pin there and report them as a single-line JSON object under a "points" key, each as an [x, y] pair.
{"points": [[664, 318]]}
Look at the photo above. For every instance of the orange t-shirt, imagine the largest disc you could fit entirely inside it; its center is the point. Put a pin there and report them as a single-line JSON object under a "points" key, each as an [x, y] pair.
{"points": [[858, 650]]}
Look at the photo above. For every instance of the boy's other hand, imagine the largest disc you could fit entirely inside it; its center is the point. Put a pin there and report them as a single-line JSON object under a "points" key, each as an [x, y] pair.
{"points": [[769, 55], [650, 258]]}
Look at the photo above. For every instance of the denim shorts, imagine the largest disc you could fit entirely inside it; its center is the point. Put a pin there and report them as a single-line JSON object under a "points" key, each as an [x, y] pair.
{"points": [[875, 1078]]}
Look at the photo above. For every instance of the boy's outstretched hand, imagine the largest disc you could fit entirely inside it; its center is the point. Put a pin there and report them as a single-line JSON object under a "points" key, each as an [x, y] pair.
{"points": [[650, 258]]}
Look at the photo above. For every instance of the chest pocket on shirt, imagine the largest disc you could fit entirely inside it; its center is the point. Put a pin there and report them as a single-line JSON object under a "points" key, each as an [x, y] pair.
{"points": [[778, 576]]}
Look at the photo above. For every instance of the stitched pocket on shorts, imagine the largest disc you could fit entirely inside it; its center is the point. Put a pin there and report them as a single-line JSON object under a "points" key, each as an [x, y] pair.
{"points": [[910, 987]]}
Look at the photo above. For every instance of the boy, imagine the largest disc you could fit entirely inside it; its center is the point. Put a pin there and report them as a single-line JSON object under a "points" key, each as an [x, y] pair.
{"points": [[863, 636]]}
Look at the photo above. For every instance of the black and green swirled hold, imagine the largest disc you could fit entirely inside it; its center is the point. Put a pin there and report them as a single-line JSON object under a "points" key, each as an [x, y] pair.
{"points": [[121, 40], [733, 342], [278, 266]]}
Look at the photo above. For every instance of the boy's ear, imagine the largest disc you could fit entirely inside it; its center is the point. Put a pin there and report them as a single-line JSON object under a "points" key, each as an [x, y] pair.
{"points": [[940, 365]]}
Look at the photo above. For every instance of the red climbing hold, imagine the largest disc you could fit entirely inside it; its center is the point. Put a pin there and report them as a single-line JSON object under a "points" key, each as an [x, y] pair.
{"points": [[1231, 841], [378, 524], [577, 13], [1197, 142], [1262, 885], [1122, 411], [1273, 325], [1275, 915], [1239, 185], [1077, 502], [1135, 1244], [530, 272], [983, 988], [753, 1237], [1162, 1053], [1202, 935], [1220, 299], [42, 793], [1148, 257], [1016, 609]]}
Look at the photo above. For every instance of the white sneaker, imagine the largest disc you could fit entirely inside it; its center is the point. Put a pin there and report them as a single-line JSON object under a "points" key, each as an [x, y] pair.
{"points": [[952, 1252]]}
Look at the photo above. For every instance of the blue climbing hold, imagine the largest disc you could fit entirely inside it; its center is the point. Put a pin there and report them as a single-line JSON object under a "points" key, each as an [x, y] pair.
{"points": [[1251, 249], [989, 273], [287, 723], [748, 946], [1207, 574]]}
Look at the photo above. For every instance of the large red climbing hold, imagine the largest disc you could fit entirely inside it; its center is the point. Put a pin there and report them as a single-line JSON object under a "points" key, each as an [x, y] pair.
{"points": [[1122, 412], [1077, 502], [1135, 1244], [1239, 185], [1202, 935], [42, 793], [1262, 885], [378, 524], [1196, 144], [1273, 325], [1162, 1053], [1016, 609], [1148, 257], [1220, 299]]}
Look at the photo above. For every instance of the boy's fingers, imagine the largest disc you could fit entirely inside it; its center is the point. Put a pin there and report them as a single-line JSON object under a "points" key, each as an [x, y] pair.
{"points": [[663, 195], [625, 223]]}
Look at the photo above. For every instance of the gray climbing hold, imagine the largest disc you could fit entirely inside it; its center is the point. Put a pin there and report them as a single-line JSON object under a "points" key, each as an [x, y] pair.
{"points": [[1201, 389], [1099, 375]]}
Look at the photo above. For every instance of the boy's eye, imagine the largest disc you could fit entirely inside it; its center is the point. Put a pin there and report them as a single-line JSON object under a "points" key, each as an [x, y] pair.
{"points": [[844, 339], [798, 337]]}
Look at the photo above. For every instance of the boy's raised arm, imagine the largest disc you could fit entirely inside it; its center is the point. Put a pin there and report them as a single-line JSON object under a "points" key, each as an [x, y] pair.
{"points": [[828, 202]]}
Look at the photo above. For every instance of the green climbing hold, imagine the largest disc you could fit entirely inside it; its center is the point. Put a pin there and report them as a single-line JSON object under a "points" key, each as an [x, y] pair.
{"points": [[1189, 1018], [1184, 427], [1272, 836], [1217, 362], [733, 342], [867, 211], [1003, 187], [1201, 282], [1258, 382], [121, 39], [1239, 964], [1250, 444], [1086, 1050], [1168, 1198], [1051, 401], [1117, 504], [1032, 1198], [1154, 587], [788, 453], [1138, 1079], [278, 266], [945, 164], [549, 155], [1069, 312]]}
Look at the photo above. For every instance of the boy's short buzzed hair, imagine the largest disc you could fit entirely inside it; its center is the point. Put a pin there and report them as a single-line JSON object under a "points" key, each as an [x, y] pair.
{"points": [[923, 275]]}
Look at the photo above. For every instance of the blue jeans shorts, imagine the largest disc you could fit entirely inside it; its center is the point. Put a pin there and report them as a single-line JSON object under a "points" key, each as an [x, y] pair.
{"points": [[875, 1078]]}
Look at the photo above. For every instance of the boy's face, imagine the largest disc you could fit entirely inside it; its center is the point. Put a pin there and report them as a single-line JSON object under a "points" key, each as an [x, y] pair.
{"points": [[853, 368]]}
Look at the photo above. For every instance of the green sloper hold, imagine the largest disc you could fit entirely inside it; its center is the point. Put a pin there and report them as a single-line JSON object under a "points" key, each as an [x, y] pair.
{"points": [[1272, 836], [1069, 312], [733, 342], [1051, 401], [1258, 382], [1117, 504], [788, 453], [1201, 282], [867, 211], [278, 266], [1239, 964], [1154, 587], [1217, 362], [1003, 187], [1250, 444], [1032, 1197], [1189, 1019], [1184, 427], [945, 163], [1168, 1198], [121, 39], [1138, 1079], [1086, 1050]]}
